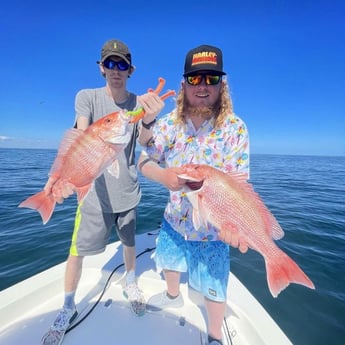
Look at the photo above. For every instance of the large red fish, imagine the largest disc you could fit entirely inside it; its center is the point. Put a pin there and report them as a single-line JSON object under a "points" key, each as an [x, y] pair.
{"points": [[84, 155], [228, 202]]}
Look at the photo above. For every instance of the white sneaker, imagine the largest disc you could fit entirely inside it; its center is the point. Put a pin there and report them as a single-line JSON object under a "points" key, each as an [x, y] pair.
{"points": [[57, 331], [162, 301], [136, 298]]}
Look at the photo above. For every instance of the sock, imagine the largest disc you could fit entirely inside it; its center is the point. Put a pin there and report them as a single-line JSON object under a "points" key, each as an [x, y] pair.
{"points": [[130, 277], [170, 296], [210, 339], [69, 300]]}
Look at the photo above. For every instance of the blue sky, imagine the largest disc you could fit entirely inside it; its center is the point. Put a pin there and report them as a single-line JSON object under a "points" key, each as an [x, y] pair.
{"points": [[285, 62]]}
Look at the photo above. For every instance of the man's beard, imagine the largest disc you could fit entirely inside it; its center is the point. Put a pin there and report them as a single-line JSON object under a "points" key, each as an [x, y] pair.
{"points": [[204, 112]]}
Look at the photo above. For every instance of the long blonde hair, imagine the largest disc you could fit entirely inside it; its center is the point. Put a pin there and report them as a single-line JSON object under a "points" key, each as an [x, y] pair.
{"points": [[222, 109]]}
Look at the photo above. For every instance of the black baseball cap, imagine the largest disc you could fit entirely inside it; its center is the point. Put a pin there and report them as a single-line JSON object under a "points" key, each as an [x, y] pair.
{"points": [[204, 58]]}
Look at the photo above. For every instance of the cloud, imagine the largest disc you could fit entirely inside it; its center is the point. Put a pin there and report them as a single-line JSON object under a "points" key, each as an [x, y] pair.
{"points": [[5, 138], [12, 142]]}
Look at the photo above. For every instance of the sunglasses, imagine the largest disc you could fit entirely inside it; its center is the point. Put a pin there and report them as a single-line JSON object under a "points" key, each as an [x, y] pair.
{"points": [[111, 64], [209, 79]]}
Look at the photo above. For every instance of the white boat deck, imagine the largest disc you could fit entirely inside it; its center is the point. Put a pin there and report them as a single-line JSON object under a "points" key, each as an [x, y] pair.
{"points": [[28, 308]]}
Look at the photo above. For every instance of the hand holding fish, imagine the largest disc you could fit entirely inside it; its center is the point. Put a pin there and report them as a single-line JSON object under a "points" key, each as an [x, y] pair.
{"points": [[172, 180], [61, 194], [233, 238]]}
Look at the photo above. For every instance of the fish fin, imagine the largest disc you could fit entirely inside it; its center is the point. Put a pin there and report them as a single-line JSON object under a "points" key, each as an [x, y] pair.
{"points": [[41, 202], [197, 221], [82, 192], [193, 198], [204, 213], [271, 223], [70, 137], [281, 271], [199, 213], [114, 169], [239, 177], [277, 232]]}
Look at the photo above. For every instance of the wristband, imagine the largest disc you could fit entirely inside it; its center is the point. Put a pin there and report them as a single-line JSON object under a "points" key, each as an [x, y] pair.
{"points": [[146, 160], [148, 125]]}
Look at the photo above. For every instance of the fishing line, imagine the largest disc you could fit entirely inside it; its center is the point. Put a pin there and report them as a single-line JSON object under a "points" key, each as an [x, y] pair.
{"points": [[147, 250]]}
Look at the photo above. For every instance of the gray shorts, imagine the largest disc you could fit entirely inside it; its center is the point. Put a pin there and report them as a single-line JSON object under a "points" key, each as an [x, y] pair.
{"points": [[92, 229]]}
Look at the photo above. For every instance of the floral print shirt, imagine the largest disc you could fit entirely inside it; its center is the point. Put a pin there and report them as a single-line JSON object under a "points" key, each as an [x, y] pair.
{"points": [[175, 144]]}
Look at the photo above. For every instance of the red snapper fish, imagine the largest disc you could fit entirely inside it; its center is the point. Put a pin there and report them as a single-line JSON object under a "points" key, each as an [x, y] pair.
{"points": [[85, 155], [229, 202], [82, 157]]}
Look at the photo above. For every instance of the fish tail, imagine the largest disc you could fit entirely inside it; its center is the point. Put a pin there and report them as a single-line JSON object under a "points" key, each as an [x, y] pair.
{"points": [[281, 271], [41, 202]]}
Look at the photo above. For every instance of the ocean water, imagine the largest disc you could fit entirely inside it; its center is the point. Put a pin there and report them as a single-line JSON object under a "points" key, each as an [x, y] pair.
{"points": [[305, 193]]}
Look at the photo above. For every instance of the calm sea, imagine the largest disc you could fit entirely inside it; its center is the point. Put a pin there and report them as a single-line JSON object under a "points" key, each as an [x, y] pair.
{"points": [[305, 193]]}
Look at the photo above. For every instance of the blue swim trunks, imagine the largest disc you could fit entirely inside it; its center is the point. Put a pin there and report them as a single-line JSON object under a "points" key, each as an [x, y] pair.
{"points": [[207, 263]]}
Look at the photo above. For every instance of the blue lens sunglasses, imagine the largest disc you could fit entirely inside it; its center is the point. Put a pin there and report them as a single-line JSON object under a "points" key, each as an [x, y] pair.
{"points": [[111, 64]]}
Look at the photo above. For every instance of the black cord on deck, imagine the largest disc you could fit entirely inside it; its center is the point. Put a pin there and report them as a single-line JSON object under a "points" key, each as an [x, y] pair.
{"points": [[147, 250]]}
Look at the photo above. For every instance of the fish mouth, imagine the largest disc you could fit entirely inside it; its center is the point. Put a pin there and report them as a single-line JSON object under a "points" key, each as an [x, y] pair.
{"points": [[191, 183], [194, 185]]}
